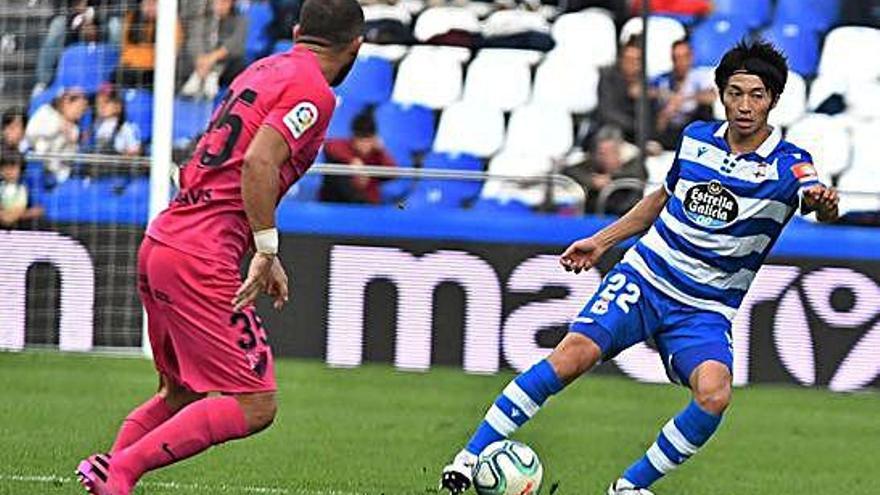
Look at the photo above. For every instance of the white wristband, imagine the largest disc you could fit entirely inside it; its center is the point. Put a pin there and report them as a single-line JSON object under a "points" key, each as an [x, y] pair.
{"points": [[266, 241]]}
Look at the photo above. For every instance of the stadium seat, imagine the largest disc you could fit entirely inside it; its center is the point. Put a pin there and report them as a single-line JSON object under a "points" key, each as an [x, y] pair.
{"points": [[863, 100], [593, 28], [658, 166], [799, 44], [306, 189], [498, 83], [850, 54], [190, 119], [429, 78], [817, 15], [282, 46], [755, 13], [512, 55], [540, 128], [864, 174], [41, 99], [346, 110], [440, 20], [514, 21], [446, 193], [470, 127], [86, 65], [490, 206], [558, 83], [827, 139], [521, 163], [458, 54], [397, 12], [370, 81], [410, 127], [662, 33], [391, 53], [793, 103], [714, 36], [257, 41], [139, 110]]}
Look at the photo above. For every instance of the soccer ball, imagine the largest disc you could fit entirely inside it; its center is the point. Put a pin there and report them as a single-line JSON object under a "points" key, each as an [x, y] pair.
{"points": [[508, 468]]}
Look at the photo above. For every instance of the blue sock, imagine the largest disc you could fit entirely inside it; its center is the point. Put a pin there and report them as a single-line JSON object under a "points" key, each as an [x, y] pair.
{"points": [[682, 436], [519, 401]]}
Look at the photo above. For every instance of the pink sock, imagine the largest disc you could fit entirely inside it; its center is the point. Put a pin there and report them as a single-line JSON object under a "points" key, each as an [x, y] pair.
{"points": [[206, 422], [141, 421]]}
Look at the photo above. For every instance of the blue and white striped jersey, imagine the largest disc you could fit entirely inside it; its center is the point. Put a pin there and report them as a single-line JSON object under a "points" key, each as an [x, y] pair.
{"points": [[724, 214]]}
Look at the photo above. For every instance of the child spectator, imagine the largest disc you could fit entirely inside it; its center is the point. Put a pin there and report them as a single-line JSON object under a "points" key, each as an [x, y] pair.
{"points": [[214, 50], [112, 133], [54, 128], [14, 122], [364, 148], [13, 194]]}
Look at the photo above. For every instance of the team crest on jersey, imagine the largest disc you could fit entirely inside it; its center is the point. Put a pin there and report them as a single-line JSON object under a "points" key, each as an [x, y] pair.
{"points": [[301, 118], [711, 205]]}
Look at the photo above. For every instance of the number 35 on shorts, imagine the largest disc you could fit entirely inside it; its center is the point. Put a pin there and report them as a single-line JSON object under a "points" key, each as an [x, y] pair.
{"points": [[617, 290]]}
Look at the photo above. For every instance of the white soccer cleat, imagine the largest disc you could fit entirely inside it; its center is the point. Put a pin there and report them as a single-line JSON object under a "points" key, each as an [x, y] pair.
{"points": [[623, 487], [458, 476]]}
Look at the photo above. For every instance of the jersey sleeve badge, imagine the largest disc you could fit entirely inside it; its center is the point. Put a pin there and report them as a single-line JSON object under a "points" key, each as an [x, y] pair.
{"points": [[805, 172], [301, 118]]}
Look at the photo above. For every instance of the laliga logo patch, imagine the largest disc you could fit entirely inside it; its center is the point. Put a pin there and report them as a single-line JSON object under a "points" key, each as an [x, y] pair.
{"points": [[301, 118], [711, 205]]}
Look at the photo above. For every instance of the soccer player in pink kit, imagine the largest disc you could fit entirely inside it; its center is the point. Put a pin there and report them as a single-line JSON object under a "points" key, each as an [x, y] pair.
{"points": [[214, 362]]}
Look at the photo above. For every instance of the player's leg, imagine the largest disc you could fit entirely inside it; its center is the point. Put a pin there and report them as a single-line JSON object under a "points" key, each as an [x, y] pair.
{"points": [[706, 369], [601, 330], [170, 398]]}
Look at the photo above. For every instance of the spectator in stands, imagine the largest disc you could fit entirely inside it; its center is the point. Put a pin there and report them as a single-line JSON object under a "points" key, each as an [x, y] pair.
{"points": [[620, 87], [112, 134], [610, 159], [137, 58], [54, 128], [364, 148], [14, 122], [214, 50], [683, 95], [14, 201]]}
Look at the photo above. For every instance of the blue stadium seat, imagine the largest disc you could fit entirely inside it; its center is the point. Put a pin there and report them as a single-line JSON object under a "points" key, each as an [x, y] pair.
{"points": [[820, 15], [190, 119], [489, 206], [800, 44], [346, 110], [408, 127], [282, 46], [41, 99], [139, 110], [86, 65], [755, 13], [370, 81], [257, 42], [714, 36], [305, 189], [437, 193]]}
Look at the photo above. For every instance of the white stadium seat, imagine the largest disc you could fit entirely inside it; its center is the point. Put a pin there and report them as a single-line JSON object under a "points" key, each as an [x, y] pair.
{"points": [[512, 55], [392, 53], [439, 20], [590, 35], [501, 84], [562, 84], [662, 33], [823, 87], [470, 127], [541, 129], [863, 99], [658, 166], [827, 139], [519, 163], [793, 104], [850, 53], [458, 54], [377, 12], [507, 22], [864, 174], [428, 78]]}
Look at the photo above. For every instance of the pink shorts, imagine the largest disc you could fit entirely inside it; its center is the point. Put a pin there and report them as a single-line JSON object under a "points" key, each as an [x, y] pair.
{"points": [[197, 339]]}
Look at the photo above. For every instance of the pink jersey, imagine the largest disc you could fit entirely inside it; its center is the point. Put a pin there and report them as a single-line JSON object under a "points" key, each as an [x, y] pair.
{"points": [[287, 92]]}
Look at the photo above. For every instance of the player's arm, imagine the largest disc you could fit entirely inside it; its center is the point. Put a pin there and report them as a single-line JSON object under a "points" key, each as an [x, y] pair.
{"points": [[585, 253], [259, 191]]}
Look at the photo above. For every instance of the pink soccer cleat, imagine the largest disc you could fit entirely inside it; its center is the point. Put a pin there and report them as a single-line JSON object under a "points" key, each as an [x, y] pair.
{"points": [[94, 476]]}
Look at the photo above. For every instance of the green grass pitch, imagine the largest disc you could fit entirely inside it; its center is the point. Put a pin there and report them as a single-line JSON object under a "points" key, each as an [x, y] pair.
{"points": [[375, 431]]}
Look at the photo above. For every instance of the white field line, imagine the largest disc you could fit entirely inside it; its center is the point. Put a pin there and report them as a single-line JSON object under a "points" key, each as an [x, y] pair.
{"points": [[190, 487]]}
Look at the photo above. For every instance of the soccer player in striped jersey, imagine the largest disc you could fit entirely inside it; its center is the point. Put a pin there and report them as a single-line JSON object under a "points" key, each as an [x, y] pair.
{"points": [[732, 187]]}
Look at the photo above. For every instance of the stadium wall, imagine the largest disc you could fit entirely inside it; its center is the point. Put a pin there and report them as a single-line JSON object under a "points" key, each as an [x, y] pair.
{"points": [[451, 292]]}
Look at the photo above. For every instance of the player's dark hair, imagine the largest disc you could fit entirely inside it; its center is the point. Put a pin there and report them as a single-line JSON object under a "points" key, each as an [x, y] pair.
{"points": [[11, 114], [364, 125], [758, 58], [335, 22], [10, 156]]}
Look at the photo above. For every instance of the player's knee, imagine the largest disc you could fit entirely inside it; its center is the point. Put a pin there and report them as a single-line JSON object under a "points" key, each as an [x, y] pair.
{"points": [[714, 397], [574, 356], [177, 396], [259, 410]]}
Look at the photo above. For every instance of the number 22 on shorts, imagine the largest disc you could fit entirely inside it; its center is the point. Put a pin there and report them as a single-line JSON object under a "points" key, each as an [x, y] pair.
{"points": [[612, 293]]}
